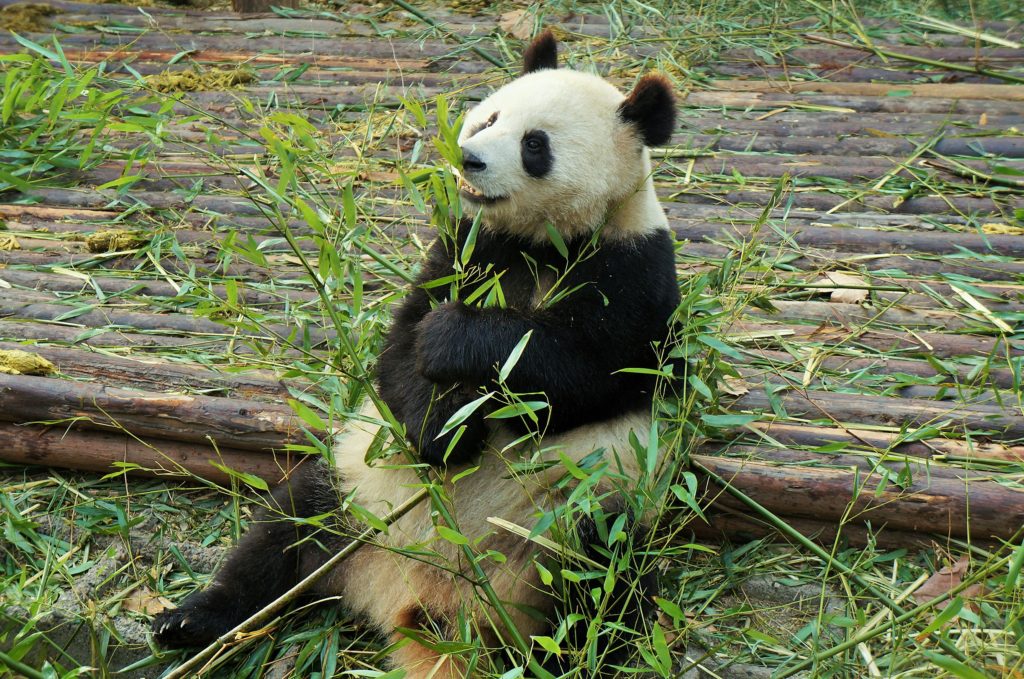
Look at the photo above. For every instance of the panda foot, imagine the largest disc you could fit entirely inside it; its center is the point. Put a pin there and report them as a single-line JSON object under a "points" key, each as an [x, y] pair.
{"points": [[191, 624]]}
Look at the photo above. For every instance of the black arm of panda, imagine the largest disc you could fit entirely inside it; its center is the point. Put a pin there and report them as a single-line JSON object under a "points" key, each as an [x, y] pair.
{"points": [[576, 346], [421, 405]]}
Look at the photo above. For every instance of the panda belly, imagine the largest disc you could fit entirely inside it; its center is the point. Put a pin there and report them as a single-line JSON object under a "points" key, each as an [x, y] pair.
{"points": [[393, 590]]}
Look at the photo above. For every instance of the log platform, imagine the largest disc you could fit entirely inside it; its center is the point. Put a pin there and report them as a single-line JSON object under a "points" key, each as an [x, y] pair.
{"points": [[879, 337]]}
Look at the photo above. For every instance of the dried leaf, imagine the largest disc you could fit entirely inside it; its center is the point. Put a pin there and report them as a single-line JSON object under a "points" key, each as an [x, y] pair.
{"points": [[945, 580], [518, 23], [849, 289], [144, 600], [1002, 229], [735, 386]]}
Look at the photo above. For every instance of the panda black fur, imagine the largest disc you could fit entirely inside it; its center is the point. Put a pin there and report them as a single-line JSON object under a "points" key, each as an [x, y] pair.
{"points": [[553, 148]]}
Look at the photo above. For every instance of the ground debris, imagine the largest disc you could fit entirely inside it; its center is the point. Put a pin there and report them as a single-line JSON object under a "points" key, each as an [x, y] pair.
{"points": [[27, 17], [17, 362], [200, 81], [112, 240]]}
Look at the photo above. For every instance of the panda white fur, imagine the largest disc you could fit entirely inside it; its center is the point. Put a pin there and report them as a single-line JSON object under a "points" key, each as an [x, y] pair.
{"points": [[553, 148]]}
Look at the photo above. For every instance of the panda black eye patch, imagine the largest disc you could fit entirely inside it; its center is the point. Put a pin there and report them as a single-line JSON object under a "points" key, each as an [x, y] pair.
{"points": [[536, 153]]}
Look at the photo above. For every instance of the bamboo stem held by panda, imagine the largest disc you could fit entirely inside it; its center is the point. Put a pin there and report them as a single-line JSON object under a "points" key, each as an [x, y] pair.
{"points": [[192, 665]]}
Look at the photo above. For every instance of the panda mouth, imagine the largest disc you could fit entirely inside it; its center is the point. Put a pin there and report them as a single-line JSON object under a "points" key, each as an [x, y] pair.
{"points": [[472, 194]]}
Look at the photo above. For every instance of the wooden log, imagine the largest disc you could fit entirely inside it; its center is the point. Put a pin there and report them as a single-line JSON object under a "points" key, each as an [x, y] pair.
{"points": [[820, 200], [120, 338], [846, 261], [1004, 146], [98, 451], [852, 217], [160, 375], [895, 412], [855, 315], [999, 377], [921, 344], [936, 90], [893, 463], [204, 240], [207, 265], [865, 240], [213, 56], [747, 100], [776, 378], [835, 55], [232, 423], [236, 41], [149, 287], [725, 523], [169, 323], [844, 73], [785, 122], [872, 439], [978, 508]]}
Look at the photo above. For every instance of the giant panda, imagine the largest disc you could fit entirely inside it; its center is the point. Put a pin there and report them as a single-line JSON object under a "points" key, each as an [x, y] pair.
{"points": [[556, 166]]}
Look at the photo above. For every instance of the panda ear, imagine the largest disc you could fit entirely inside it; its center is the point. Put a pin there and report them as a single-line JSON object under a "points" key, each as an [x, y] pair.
{"points": [[542, 53], [651, 109]]}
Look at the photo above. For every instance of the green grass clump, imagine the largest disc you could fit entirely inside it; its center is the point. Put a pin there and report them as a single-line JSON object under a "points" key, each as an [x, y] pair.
{"points": [[56, 119]]}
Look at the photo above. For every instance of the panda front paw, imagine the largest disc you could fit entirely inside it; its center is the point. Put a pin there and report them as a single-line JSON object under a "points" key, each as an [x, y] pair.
{"points": [[194, 623], [441, 350]]}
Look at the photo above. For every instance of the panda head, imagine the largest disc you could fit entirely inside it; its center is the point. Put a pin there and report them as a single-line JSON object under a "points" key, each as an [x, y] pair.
{"points": [[565, 148]]}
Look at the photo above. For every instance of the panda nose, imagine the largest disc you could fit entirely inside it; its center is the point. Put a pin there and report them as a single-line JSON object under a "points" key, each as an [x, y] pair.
{"points": [[471, 162]]}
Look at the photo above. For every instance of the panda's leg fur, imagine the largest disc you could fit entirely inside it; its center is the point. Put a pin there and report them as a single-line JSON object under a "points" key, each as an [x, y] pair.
{"points": [[268, 560]]}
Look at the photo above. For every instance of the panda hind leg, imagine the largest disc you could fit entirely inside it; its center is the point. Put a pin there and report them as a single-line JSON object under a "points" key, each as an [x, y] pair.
{"points": [[269, 559]]}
